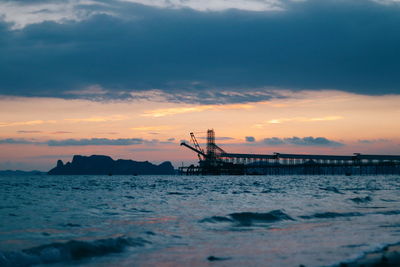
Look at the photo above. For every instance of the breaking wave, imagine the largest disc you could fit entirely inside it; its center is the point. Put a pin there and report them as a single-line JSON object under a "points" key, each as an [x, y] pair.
{"points": [[69, 251], [249, 218]]}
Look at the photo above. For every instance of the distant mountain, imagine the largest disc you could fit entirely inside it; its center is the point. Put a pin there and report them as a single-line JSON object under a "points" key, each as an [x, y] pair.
{"points": [[105, 165], [18, 172]]}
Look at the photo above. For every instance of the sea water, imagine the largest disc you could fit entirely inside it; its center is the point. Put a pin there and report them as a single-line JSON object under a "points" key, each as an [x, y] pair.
{"points": [[195, 220]]}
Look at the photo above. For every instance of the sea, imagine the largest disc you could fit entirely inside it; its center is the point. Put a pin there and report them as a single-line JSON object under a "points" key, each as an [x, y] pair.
{"points": [[195, 220]]}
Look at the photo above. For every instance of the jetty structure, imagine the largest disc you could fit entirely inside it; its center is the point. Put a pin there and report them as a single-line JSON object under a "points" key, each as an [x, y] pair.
{"points": [[216, 161]]}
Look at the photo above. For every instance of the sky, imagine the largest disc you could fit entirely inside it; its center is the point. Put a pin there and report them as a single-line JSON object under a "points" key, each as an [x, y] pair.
{"points": [[132, 78]]}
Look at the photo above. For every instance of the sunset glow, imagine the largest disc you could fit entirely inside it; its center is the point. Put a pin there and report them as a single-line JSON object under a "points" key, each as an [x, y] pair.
{"points": [[29, 137]]}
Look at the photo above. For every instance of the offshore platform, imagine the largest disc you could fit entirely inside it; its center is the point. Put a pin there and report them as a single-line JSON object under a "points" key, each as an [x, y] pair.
{"points": [[216, 161]]}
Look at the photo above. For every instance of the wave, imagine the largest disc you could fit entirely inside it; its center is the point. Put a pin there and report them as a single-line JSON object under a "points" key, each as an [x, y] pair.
{"points": [[176, 193], [249, 218], [213, 258], [388, 200], [273, 190], [331, 189], [216, 219], [330, 215], [389, 212], [69, 251], [360, 200], [382, 255], [71, 225]]}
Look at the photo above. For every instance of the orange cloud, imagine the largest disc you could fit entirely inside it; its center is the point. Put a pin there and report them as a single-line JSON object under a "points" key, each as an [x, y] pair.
{"points": [[304, 119], [153, 128], [99, 119], [181, 110], [19, 123]]}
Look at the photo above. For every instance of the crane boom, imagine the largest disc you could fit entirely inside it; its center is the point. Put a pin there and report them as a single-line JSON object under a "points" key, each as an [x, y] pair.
{"points": [[197, 146], [194, 149]]}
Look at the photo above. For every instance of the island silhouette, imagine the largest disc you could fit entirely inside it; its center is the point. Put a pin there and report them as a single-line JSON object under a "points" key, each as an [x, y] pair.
{"points": [[105, 165]]}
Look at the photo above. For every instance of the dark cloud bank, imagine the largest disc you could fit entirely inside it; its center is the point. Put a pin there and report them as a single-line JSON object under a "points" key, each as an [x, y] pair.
{"points": [[305, 141], [345, 45], [80, 142]]}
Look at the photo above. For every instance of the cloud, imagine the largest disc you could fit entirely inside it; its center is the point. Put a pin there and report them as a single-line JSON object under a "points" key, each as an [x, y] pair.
{"points": [[373, 141], [18, 123], [250, 139], [80, 142], [115, 49], [199, 93], [61, 132], [273, 141], [387, 2], [28, 132], [305, 141], [181, 110], [215, 5], [304, 119], [96, 142], [90, 91], [34, 132], [99, 119], [111, 133], [18, 141], [22, 13], [153, 128]]}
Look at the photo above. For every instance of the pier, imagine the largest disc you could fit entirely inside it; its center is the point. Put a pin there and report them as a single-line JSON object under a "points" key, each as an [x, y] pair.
{"points": [[216, 161]]}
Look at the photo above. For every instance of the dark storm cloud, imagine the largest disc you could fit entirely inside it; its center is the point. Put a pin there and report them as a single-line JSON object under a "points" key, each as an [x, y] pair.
{"points": [[305, 141], [194, 56]]}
